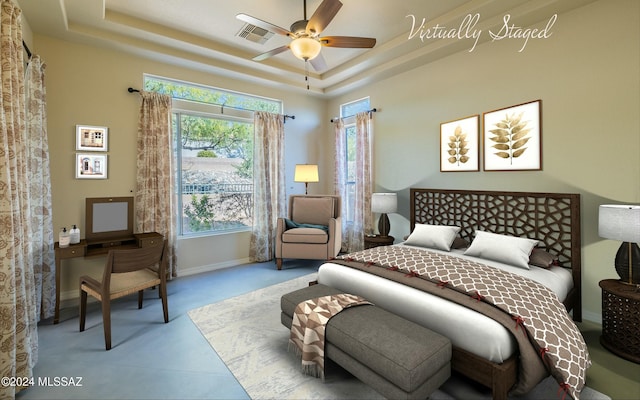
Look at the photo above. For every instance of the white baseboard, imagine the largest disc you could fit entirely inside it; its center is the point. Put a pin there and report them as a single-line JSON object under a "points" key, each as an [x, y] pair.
{"points": [[212, 267], [70, 298]]}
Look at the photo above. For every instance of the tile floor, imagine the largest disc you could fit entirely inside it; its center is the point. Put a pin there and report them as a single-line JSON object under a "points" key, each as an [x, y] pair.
{"points": [[153, 360], [149, 359]]}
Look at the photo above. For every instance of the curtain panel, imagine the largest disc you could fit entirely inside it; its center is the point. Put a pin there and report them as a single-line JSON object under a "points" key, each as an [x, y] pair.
{"points": [[42, 233], [356, 189], [155, 195], [269, 183], [18, 309]]}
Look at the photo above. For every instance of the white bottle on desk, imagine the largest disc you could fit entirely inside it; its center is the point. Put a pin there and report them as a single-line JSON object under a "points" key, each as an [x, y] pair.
{"points": [[64, 238], [74, 235]]}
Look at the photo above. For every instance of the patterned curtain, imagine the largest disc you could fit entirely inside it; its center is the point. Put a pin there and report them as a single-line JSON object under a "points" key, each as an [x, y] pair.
{"points": [[18, 309], [155, 194], [269, 184], [360, 199], [42, 236]]}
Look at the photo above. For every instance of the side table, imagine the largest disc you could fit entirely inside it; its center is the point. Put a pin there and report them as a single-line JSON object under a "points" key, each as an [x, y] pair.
{"points": [[377, 240], [621, 319]]}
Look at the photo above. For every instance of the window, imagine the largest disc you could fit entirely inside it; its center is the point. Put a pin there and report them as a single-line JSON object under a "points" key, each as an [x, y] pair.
{"points": [[349, 110], [213, 144]]}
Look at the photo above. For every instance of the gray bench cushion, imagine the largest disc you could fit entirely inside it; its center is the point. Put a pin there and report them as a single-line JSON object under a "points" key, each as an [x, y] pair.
{"points": [[290, 301], [406, 354]]}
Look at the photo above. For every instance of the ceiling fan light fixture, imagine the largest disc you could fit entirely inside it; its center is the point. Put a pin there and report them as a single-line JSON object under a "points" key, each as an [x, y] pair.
{"points": [[305, 48]]}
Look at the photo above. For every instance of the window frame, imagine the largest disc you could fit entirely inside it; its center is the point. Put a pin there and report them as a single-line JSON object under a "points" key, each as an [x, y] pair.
{"points": [[362, 104], [181, 107]]}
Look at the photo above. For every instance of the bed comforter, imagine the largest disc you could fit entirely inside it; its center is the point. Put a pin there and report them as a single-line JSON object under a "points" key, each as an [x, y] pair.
{"points": [[548, 340]]}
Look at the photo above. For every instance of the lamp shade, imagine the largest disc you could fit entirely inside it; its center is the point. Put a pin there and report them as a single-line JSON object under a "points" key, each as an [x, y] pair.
{"points": [[384, 203], [619, 222], [305, 48], [306, 173]]}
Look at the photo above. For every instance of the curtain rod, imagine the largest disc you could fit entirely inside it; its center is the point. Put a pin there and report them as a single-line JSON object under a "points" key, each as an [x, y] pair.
{"points": [[222, 106], [370, 112], [26, 48]]}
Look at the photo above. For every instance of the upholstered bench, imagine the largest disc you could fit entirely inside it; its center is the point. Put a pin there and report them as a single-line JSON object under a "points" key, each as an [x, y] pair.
{"points": [[396, 357]]}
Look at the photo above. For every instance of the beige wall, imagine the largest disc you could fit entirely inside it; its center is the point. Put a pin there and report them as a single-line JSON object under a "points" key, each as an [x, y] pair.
{"points": [[587, 76], [88, 85]]}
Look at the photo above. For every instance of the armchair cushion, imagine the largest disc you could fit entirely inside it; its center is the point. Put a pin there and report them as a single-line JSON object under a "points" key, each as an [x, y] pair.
{"points": [[305, 235], [312, 210]]}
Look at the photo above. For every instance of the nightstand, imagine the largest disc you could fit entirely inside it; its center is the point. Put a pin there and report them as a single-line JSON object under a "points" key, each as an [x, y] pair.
{"points": [[621, 319], [377, 240]]}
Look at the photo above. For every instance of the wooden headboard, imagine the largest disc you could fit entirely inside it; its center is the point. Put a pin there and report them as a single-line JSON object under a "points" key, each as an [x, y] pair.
{"points": [[552, 218]]}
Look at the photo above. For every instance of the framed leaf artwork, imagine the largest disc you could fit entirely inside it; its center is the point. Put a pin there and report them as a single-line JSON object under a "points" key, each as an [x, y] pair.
{"points": [[459, 146], [512, 138]]}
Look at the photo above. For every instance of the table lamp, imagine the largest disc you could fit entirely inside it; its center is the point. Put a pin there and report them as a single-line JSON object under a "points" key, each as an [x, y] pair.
{"points": [[622, 222], [384, 203], [306, 173]]}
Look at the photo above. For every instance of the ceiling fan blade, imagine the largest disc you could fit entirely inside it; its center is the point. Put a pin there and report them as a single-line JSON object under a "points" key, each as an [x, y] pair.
{"points": [[323, 16], [348, 42], [318, 63], [263, 24], [270, 53]]}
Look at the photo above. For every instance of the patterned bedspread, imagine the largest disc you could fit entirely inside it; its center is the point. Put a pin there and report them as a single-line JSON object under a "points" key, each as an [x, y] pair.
{"points": [[548, 340]]}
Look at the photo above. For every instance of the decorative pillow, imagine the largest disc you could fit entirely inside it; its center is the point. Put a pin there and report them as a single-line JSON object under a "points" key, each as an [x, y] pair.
{"points": [[438, 237], [543, 259], [505, 249], [460, 243]]}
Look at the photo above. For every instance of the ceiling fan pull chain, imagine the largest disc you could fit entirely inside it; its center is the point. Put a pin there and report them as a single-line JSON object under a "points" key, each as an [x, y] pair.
{"points": [[306, 72]]}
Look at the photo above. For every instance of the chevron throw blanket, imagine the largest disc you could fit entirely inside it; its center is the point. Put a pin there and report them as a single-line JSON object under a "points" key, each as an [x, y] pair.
{"points": [[548, 338], [307, 329]]}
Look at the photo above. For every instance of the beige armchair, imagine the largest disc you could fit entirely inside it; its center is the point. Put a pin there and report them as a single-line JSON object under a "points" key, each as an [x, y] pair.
{"points": [[298, 235]]}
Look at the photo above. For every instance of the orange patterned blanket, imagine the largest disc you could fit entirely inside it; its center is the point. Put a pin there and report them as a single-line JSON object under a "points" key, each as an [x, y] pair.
{"points": [[309, 322]]}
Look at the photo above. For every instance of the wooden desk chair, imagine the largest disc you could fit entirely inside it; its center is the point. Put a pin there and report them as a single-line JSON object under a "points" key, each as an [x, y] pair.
{"points": [[126, 272]]}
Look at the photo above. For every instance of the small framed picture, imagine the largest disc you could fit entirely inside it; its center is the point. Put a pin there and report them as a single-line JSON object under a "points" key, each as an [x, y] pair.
{"points": [[91, 166], [92, 138], [513, 138], [459, 149]]}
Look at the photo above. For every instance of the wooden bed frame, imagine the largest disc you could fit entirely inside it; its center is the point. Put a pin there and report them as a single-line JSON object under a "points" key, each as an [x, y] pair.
{"points": [[552, 218]]}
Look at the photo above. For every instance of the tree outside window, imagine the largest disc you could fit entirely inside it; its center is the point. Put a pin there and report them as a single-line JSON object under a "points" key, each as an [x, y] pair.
{"points": [[213, 144]]}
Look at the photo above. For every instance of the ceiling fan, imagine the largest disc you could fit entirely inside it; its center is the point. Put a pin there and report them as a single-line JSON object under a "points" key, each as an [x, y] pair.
{"points": [[307, 42]]}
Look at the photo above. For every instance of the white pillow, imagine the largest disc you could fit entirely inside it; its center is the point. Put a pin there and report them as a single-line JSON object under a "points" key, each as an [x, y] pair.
{"points": [[505, 249], [438, 237]]}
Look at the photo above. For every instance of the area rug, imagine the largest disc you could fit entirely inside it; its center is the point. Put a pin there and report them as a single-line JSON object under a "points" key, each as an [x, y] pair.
{"points": [[247, 334]]}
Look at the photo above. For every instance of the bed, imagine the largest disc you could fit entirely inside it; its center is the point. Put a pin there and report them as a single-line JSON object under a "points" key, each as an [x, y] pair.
{"points": [[553, 219]]}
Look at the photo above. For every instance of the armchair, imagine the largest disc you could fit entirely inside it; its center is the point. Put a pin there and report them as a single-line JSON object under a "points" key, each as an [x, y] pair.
{"points": [[312, 231]]}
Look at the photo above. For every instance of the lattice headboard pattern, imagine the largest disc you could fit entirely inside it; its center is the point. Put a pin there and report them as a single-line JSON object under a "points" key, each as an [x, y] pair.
{"points": [[552, 218]]}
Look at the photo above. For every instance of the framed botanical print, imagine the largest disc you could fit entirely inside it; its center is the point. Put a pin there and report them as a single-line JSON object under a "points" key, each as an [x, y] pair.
{"points": [[92, 138], [512, 138], [91, 166], [459, 146]]}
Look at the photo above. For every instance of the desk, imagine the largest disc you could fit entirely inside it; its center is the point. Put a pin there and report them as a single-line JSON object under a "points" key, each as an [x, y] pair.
{"points": [[98, 248]]}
